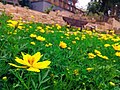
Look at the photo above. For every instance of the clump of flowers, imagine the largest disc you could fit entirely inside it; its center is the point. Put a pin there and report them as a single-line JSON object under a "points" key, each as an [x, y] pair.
{"points": [[15, 24], [98, 53], [31, 62], [62, 44]]}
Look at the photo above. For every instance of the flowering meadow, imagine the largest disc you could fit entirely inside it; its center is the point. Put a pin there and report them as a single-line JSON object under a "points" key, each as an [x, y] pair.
{"points": [[36, 56]]}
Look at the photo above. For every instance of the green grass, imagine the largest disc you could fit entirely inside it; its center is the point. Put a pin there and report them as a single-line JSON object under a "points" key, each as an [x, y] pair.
{"points": [[68, 68]]}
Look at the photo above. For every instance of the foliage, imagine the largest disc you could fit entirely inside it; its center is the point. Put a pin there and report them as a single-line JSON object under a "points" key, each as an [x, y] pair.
{"points": [[96, 6], [83, 61]]}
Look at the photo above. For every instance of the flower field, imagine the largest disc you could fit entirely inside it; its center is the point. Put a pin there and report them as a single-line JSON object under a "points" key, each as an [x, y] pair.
{"points": [[36, 56]]}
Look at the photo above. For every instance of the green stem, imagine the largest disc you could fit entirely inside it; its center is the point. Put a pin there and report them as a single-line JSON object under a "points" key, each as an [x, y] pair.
{"points": [[29, 79], [19, 78]]}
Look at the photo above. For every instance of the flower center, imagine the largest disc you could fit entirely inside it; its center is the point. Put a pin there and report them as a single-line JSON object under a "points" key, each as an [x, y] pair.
{"points": [[31, 61]]}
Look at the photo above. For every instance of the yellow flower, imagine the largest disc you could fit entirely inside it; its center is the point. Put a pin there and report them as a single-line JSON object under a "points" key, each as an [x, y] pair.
{"points": [[106, 45], [62, 44], [4, 78], [73, 42], [77, 38], [89, 69], [40, 38], [58, 26], [75, 33], [42, 30], [116, 47], [112, 84], [66, 34], [48, 45], [61, 37], [91, 55], [32, 16], [76, 72], [15, 24], [105, 57], [68, 48], [83, 37], [39, 27], [97, 52], [31, 62], [117, 54], [33, 35], [33, 43]]}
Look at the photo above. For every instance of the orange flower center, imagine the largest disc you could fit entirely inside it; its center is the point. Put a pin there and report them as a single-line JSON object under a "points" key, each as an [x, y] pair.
{"points": [[30, 61]]}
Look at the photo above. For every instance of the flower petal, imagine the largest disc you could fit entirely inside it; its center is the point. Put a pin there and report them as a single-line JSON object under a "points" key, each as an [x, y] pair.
{"points": [[36, 57], [17, 66], [26, 58], [33, 69], [42, 65], [18, 60]]}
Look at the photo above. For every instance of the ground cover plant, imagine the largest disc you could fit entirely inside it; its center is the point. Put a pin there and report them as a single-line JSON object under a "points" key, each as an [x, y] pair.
{"points": [[36, 56]]}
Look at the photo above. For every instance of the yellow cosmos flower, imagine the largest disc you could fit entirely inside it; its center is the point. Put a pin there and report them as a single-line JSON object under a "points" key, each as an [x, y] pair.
{"points": [[33, 43], [76, 72], [75, 33], [61, 37], [73, 42], [104, 57], [58, 26], [116, 47], [83, 37], [39, 27], [48, 45], [42, 30], [32, 16], [62, 44], [77, 38], [106, 45], [40, 38], [112, 84], [89, 69], [68, 48], [4, 78], [31, 62], [91, 55], [33, 35], [117, 54], [66, 34], [97, 52]]}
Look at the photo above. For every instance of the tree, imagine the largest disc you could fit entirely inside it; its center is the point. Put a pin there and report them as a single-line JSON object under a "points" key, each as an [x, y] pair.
{"points": [[104, 6]]}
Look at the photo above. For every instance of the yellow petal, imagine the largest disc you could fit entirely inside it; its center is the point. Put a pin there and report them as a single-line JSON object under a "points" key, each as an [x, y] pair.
{"points": [[36, 57], [18, 60], [33, 69], [42, 65], [26, 58], [17, 66], [22, 61]]}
